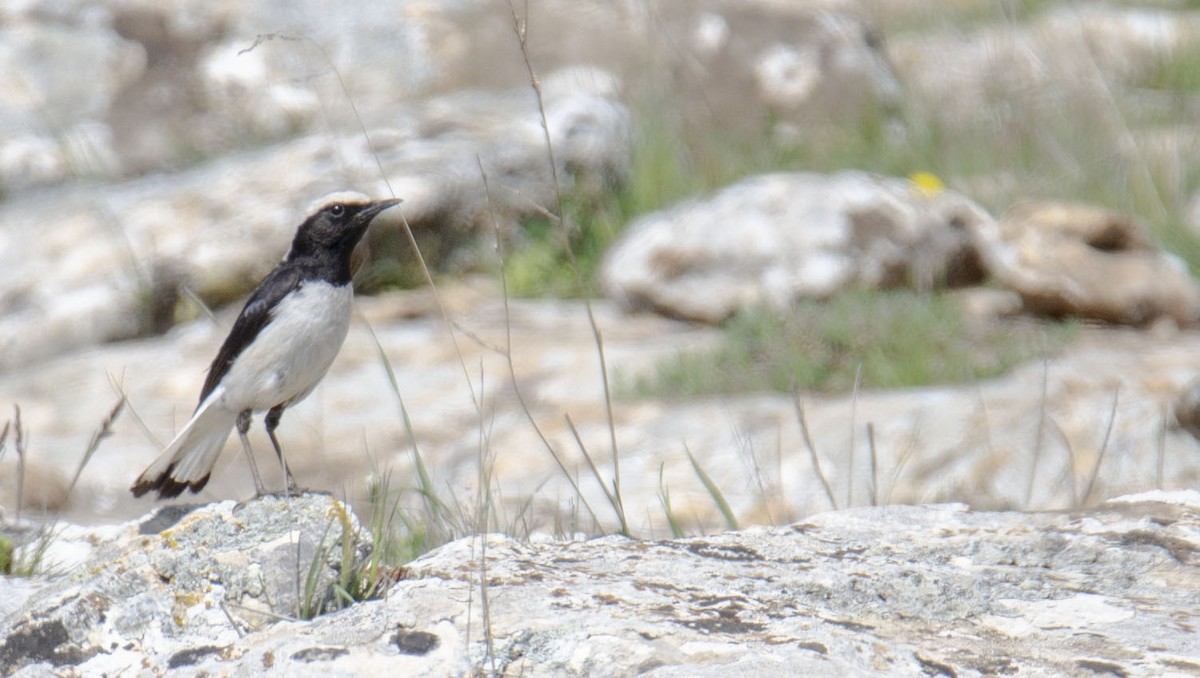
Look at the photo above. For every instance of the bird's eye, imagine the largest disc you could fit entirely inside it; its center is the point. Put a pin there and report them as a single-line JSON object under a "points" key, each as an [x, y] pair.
{"points": [[337, 210]]}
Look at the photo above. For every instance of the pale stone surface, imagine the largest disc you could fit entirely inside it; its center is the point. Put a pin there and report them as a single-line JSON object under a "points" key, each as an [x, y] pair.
{"points": [[76, 260], [899, 590], [990, 444], [775, 239], [1068, 259], [82, 265]]}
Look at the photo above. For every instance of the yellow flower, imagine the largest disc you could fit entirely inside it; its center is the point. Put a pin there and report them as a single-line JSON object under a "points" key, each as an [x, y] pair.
{"points": [[926, 183]]}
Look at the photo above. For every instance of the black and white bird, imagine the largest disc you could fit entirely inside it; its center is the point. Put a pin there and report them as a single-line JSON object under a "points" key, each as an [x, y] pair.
{"points": [[280, 347]]}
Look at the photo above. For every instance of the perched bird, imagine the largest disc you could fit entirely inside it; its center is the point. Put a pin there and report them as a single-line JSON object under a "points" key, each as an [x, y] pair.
{"points": [[281, 345]]}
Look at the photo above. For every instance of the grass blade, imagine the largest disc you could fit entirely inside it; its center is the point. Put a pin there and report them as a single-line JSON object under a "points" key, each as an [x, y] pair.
{"points": [[713, 491]]}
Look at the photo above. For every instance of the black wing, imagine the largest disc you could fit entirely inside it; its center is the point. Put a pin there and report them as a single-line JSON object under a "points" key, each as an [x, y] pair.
{"points": [[254, 317]]}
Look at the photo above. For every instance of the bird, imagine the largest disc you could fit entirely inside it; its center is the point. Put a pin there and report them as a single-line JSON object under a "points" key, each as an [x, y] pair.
{"points": [[280, 347]]}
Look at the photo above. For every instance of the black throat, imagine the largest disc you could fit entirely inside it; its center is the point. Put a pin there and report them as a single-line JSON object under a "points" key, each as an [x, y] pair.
{"points": [[326, 264]]}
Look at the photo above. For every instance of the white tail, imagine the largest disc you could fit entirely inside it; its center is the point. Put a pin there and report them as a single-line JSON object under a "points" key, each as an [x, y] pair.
{"points": [[189, 459]]}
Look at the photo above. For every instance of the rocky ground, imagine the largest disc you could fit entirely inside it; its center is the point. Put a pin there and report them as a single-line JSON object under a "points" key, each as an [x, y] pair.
{"points": [[900, 590], [156, 167]]}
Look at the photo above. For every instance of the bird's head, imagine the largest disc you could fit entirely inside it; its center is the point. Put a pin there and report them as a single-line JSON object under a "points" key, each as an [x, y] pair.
{"points": [[336, 223]]}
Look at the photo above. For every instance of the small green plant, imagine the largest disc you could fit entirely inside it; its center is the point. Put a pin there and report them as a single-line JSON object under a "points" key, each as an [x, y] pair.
{"points": [[361, 574], [900, 339], [7, 555], [27, 560]]}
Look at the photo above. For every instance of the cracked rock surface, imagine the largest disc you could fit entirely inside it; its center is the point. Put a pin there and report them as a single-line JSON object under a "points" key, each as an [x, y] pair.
{"points": [[896, 590]]}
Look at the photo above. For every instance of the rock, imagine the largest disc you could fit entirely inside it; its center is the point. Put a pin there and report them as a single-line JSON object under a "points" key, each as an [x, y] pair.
{"points": [[182, 582], [899, 590], [135, 87], [121, 253], [52, 107], [775, 239], [1187, 409], [1084, 261]]}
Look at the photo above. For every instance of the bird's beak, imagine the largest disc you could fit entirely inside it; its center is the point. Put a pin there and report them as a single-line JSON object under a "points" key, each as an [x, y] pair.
{"points": [[370, 211]]}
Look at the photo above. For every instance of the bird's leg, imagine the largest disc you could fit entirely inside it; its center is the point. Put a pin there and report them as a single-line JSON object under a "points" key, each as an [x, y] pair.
{"points": [[272, 421], [243, 427]]}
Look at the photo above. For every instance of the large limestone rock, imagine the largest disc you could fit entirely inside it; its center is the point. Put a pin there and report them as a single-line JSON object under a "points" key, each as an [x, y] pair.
{"points": [[114, 89], [1079, 260], [899, 590], [59, 81], [774, 239], [90, 264]]}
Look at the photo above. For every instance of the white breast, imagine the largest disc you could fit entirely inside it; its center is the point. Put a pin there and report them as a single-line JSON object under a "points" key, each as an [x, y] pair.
{"points": [[290, 355]]}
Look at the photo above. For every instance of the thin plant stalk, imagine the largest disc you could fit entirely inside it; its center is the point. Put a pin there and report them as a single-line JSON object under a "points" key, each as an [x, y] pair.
{"points": [[1040, 438], [812, 449], [1072, 489], [434, 507], [507, 352], [909, 450], [520, 29], [853, 428], [874, 487], [98, 436], [19, 445], [614, 499], [1112, 417], [4, 438], [664, 498]]}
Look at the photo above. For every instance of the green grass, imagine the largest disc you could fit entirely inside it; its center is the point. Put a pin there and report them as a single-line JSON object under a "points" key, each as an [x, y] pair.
{"points": [[360, 576], [900, 339]]}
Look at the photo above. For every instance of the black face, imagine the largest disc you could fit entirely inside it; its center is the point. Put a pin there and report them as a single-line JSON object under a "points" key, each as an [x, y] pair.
{"points": [[337, 226]]}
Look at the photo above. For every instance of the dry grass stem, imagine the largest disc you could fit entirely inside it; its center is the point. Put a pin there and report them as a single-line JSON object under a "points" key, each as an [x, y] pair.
{"points": [[812, 449], [520, 29], [1040, 437], [1112, 418]]}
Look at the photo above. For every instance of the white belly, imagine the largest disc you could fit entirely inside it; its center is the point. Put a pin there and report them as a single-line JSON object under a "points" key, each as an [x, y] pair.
{"points": [[290, 355]]}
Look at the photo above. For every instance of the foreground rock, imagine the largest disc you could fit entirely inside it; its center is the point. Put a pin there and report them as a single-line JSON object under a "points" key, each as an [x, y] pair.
{"points": [[774, 239], [900, 590], [182, 581]]}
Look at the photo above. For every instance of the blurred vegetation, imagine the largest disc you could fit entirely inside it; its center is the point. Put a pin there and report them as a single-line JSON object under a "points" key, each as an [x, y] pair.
{"points": [[1117, 142], [898, 338], [1111, 143]]}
